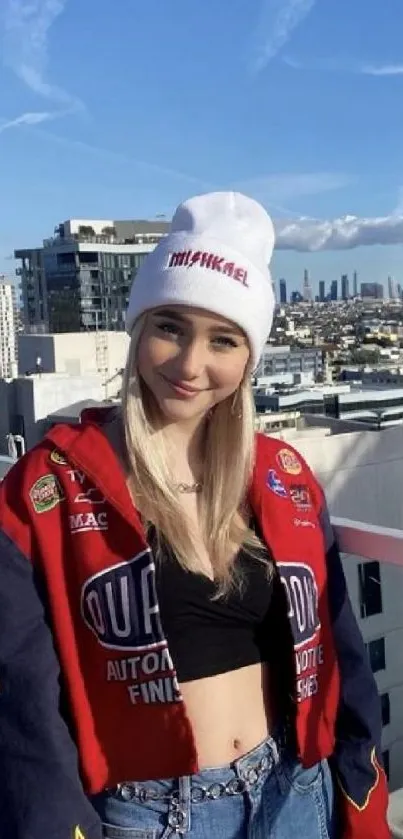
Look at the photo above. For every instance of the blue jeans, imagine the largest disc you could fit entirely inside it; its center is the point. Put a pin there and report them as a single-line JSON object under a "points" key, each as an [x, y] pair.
{"points": [[264, 795]]}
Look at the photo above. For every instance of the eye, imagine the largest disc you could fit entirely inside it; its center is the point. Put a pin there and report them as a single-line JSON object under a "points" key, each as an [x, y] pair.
{"points": [[225, 342], [168, 328]]}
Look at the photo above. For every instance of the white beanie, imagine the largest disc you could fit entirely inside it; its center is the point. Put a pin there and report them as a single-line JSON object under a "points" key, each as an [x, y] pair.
{"points": [[216, 257]]}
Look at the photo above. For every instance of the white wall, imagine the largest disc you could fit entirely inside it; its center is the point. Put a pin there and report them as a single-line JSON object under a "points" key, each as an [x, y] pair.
{"points": [[362, 473], [39, 396], [75, 353]]}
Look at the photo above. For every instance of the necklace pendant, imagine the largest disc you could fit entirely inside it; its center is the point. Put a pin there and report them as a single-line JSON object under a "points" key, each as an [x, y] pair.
{"points": [[188, 488]]}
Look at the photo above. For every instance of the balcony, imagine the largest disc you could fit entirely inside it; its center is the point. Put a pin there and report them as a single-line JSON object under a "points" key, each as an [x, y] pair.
{"points": [[362, 543]]}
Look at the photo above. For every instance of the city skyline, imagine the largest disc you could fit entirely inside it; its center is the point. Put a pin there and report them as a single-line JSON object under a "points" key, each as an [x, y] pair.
{"points": [[199, 104]]}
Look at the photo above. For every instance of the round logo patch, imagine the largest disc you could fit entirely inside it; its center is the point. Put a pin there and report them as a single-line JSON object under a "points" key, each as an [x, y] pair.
{"points": [[57, 457], [289, 462], [274, 483]]}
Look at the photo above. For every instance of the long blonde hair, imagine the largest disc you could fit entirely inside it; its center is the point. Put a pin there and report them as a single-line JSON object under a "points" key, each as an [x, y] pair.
{"points": [[228, 466]]}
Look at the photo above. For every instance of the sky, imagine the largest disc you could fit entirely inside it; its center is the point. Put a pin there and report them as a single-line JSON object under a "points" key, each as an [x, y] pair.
{"points": [[121, 109]]}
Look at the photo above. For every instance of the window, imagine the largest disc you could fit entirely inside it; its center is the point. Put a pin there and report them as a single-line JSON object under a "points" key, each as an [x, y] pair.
{"points": [[385, 708], [385, 758], [369, 579], [376, 654]]}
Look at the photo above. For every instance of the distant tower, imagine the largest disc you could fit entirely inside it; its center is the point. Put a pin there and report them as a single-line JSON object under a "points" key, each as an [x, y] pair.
{"points": [[392, 290], [321, 291], [333, 290], [283, 291], [307, 288], [355, 284], [344, 287]]}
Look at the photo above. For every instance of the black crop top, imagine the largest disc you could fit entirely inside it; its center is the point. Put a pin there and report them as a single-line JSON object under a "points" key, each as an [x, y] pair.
{"points": [[206, 636]]}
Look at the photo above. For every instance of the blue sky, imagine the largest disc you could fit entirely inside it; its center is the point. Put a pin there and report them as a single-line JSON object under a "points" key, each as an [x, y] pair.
{"points": [[121, 109]]}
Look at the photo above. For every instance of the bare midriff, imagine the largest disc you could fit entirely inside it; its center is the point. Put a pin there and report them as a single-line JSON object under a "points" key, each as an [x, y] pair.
{"points": [[230, 713]]}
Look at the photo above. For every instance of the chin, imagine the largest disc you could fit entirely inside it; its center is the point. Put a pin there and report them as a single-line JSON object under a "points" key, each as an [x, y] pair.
{"points": [[177, 411]]}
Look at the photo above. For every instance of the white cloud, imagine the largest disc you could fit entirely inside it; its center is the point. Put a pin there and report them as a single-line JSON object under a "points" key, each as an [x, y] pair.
{"points": [[382, 70], [340, 234], [29, 118], [277, 21], [24, 37], [337, 65]]}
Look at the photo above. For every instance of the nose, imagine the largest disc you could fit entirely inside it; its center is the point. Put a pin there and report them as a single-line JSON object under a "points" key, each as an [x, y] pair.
{"points": [[191, 360]]}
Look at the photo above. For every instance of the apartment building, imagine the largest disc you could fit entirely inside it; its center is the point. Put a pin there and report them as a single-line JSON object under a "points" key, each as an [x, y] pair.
{"points": [[8, 330], [80, 278]]}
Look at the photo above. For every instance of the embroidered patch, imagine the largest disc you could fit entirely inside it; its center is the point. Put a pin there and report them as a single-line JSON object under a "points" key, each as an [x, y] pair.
{"points": [[84, 522], [57, 457], [300, 496], [46, 493], [289, 462], [275, 484]]}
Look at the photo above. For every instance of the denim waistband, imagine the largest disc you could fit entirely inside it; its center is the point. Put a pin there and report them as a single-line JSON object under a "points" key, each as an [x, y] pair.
{"points": [[231, 779]]}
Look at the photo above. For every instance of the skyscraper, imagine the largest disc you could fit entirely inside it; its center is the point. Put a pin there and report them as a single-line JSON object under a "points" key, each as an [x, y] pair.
{"points": [[355, 284], [283, 291], [344, 287], [333, 290], [321, 291], [392, 290], [307, 288], [372, 291]]}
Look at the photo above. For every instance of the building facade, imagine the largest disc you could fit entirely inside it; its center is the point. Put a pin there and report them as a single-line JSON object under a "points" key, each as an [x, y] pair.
{"points": [[362, 473], [80, 279], [280, 360], [8, 330]]}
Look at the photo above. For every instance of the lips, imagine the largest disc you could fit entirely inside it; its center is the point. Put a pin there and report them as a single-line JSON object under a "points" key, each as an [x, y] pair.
{"points": [[182, 386]]}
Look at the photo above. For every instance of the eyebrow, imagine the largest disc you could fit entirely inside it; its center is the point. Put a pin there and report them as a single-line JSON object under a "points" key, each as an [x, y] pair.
{"points": [[169, 313]]}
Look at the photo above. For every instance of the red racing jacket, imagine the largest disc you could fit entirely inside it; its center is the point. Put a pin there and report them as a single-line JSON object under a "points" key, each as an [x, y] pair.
{"points": [[83, 656]]}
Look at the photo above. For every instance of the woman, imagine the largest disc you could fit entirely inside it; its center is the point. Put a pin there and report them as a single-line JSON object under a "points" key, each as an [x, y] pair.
{"points": [[178, 654]]}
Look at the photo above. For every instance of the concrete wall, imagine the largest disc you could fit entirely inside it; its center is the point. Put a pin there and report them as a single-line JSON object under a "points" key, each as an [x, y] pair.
{"points": [[76, 353], [38, 396], [362, 473]]}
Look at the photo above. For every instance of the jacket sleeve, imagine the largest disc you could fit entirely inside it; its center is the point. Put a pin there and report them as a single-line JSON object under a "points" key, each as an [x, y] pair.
{"points": [[356, 762], [40, 790]]}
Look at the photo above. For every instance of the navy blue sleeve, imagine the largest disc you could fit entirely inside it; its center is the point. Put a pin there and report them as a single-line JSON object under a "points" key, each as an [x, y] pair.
{"points": [[40, 790], [357, 759]]}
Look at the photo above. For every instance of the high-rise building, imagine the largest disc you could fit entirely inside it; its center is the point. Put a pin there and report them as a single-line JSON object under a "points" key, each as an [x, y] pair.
{"points": [[321, 291], [333, 290], [8, 329], [307, 288], [372, 291], [344, 287], [283, 291], [355, 284], [399, 291], [296, 297], [392, 290], [80, 278]]}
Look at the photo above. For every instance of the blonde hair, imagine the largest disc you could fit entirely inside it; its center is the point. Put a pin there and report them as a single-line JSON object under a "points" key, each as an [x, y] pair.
{"points": [[229, 460]]}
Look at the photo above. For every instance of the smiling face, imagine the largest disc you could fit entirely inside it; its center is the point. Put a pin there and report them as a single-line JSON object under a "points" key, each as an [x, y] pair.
{"points": [[190, 360]]}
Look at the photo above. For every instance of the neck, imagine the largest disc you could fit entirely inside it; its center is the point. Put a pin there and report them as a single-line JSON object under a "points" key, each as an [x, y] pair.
{"points": [[185, 445]]}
